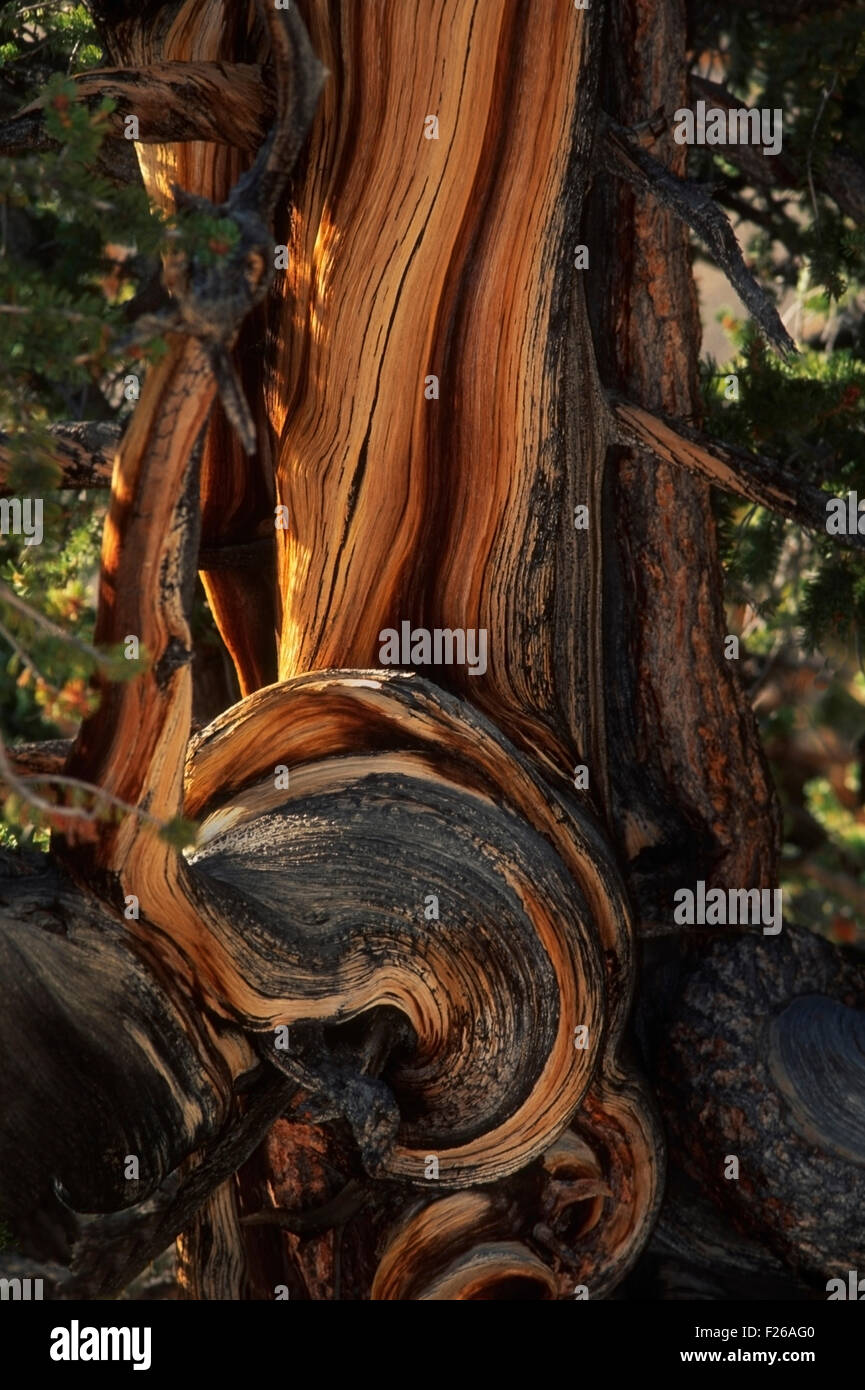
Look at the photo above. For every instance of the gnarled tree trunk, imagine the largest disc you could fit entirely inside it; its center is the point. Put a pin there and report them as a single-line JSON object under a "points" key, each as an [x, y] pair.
{"points": [[397, 970]]}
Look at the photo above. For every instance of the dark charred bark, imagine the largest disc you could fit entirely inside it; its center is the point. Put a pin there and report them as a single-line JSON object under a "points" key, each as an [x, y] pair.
{"points": [[755, 1045]]}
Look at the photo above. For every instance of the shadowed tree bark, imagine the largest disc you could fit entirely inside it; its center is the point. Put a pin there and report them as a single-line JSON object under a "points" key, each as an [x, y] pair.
{"points": [[369, 1039]]}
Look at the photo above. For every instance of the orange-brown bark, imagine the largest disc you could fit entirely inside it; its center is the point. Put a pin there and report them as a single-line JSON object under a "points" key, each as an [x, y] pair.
{"points": [[692, 796]]}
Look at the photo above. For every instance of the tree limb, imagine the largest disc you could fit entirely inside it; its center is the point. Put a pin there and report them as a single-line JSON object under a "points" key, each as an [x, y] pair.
{"points": [[749, 475], [248, 554], [299, 80], [47, 756], [755, 1045], [22, 784], [83, 451], [227, 103], [694, 205]]}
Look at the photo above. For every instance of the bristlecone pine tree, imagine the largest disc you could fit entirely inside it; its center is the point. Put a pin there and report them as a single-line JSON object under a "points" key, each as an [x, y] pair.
{"points": [[371, 1037]]}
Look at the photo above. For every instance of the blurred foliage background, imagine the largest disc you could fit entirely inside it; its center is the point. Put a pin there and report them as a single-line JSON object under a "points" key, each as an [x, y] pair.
{"points": [[79, 258]]}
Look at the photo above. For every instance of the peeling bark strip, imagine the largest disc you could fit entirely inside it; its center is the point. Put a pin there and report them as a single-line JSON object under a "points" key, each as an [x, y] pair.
{"points": [[735, 470], [222, 102], [132, 747]]}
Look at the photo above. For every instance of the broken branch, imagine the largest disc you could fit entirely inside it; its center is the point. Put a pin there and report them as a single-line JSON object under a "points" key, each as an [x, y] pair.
{"points": [[695, 206], [749, 475]]}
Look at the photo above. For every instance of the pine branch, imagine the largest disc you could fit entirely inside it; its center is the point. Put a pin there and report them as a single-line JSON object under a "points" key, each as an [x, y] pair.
{"points": [[694, 205], [753, 476], [24, 609]]}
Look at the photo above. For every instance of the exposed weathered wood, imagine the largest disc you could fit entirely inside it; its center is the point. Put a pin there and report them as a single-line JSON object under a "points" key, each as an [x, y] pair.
{"points": [[100, 1062], [431, 772], [447, 1251], [148, 560], [456, 512], [110, 1251]]}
